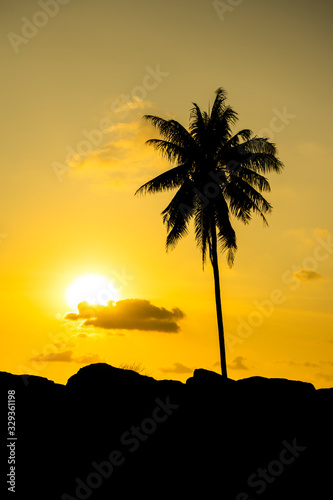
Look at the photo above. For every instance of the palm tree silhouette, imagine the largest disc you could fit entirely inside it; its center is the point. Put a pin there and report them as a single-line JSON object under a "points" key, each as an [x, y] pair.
{"points": [[217, 174]]}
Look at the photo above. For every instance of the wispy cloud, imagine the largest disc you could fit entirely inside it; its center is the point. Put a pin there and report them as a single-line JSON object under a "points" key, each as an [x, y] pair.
{"points": [[177, 368], [123, 160], [325, 376], [68, 357], [306, 364], [307, 275], [308, 237], [312, 149], [238, 364], [86, 335], [89, 358], [128, 314]]}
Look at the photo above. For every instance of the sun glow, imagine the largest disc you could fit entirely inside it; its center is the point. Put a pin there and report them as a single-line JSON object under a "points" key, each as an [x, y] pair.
{"points": [[92, 288]]}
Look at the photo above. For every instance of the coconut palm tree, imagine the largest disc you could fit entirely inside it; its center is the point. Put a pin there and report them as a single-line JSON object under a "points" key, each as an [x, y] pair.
{"points": [[217, 175]]}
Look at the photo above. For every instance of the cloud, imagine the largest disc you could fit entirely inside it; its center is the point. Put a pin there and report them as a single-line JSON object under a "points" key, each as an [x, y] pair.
{"points": [[306, 364], [67, 356], [238, 364], [85, 335], [55, 356], [325, 376], [89, 358], [124, 107], [312, 149], [307, 275], [309, 237], [122, 160], [128, 314], [311, 365], [177, 368]]}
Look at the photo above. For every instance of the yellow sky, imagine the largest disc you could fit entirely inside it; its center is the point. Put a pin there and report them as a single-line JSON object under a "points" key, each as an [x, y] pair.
{"points": [[78, 76]]}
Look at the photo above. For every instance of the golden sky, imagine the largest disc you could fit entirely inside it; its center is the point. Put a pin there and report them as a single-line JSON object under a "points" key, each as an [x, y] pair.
{"points": [[77, 78]]}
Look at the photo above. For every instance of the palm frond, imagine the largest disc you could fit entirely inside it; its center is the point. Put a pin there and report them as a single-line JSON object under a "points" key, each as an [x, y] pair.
{"points": [[257, 154], [252, 177], [219, 104], [244, 199], [172, 131], [198, 124], [226, 235], [259, 145], [169, 150], [167, 180], [202, 230], [244, 135], [265, 162], [178, 213], [222, 117]]}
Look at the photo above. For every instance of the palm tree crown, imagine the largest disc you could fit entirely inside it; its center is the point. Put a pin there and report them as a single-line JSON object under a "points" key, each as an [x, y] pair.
{"points": [[217, 174]]}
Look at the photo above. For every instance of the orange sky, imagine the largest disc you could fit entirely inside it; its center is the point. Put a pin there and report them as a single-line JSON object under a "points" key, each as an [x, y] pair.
{"points": [[78, 78]]}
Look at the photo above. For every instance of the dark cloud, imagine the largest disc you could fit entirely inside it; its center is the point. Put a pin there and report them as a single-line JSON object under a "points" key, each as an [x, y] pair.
{"points": [[68, 357], [307, 275], [128, 314], [54, 356], [325, 376], [89, 358], [177, 368], [307, 364], [85, 335], [238, 364]]}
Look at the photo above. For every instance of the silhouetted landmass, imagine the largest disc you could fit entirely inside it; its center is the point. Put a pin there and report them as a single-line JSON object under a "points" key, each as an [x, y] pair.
{"points": [[112, 433]]}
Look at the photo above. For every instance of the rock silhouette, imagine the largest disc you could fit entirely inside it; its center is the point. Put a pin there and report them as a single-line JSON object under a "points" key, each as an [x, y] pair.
{"points": [[112, 433]]}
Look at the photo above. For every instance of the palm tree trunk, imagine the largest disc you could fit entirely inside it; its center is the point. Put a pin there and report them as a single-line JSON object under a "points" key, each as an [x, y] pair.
{"points": [[215, 264]]}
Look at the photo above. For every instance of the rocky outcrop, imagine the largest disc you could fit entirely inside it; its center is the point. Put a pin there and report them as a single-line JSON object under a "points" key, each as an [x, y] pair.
{"points": [[112, 433]]}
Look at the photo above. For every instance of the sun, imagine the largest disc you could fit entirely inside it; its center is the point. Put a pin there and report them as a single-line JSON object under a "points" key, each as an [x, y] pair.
{"points": [[92, 288]]}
